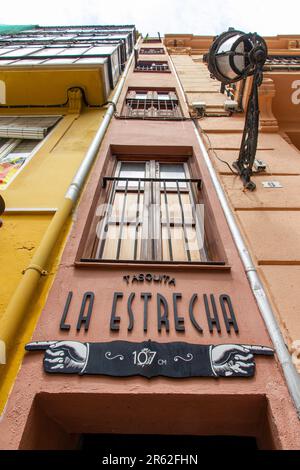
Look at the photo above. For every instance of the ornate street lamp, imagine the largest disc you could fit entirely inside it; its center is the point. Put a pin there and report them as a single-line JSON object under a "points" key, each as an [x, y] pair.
{"points": [[233, 56]]}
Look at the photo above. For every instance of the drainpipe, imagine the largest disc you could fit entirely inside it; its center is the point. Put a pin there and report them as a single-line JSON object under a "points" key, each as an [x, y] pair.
{"points": [[291, 375], [15, 313]]}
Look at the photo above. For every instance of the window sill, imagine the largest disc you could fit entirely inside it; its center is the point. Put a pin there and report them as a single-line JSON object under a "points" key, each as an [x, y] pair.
{"points": [[152, 71], [177, 266], [158, 118]]}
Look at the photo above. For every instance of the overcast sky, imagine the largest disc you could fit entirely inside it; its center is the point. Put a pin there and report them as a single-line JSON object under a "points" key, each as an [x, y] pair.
{"points": [[267, 17]]}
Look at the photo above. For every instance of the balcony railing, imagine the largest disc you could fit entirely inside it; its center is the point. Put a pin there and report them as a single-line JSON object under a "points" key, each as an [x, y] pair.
{"points": [[106, 179], [152, 109], [151, 40], [152, 50], [152, 68]]}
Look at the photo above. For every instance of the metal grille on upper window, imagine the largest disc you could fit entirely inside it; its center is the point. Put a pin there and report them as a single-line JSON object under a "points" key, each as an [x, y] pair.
{"points": [[152, 50], [151, 40], [145, 104], [149, 211], [152, 66]]}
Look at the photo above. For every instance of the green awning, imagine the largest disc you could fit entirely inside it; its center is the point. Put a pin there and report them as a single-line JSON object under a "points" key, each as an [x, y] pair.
{"points": [[15, 28]]}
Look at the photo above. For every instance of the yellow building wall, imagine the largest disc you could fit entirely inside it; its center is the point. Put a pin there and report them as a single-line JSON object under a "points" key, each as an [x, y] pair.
{"points": [[49, 86], [42, 183], [44, 180]]}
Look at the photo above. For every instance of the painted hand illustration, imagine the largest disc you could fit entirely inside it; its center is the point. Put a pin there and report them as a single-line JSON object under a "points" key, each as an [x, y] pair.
{"points": [[116, 358], [61, 356], [236, 360]]}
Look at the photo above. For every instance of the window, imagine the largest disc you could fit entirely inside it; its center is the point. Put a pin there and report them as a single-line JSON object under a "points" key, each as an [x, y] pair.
{"points": [[151, 50], [52, 54], [148, 211], [154, 104], [151, 40], [152, 66], [19, 136]]}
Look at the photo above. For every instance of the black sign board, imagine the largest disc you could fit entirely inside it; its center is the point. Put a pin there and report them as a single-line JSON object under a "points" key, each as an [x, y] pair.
{"points": [[149, 358]]}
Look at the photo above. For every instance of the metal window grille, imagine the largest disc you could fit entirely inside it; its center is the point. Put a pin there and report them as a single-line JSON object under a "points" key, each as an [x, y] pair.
{"points": [[150, 217], [152, 41], [152, 105], [151, 50], [148, 66]]}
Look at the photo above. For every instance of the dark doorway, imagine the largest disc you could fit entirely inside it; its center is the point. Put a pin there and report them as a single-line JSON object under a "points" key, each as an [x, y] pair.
{"points": [[148, 422], [143, 444]]}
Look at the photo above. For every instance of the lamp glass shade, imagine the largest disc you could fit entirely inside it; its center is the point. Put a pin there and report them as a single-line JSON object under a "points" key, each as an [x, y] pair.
{"points": [[227, 45], [225, 52], [224, 67]]}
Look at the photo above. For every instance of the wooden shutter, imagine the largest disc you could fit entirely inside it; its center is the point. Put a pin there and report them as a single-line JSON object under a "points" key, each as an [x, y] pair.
{"points": [[26, 127]]}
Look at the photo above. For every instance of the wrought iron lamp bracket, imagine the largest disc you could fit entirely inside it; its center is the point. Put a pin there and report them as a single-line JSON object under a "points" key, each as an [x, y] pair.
{"points": [[255, 53], [247, 153]]}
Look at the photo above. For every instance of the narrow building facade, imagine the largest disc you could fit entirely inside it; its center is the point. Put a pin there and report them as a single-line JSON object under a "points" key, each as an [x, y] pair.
{"points": [[150, 326]]}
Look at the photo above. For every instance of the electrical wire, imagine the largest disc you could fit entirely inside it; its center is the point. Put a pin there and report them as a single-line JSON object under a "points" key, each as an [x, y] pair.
{"points": [[59, 105], [201, 131], [211, 149]]}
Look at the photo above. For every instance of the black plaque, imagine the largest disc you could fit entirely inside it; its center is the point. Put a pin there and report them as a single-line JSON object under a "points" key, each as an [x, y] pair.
{"points": [[149, 358]]}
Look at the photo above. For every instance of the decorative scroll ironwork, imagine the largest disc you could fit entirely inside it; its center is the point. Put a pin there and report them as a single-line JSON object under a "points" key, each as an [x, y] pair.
{"points": [[251, 52], [152, 109], [151, 66], [248, 147]]}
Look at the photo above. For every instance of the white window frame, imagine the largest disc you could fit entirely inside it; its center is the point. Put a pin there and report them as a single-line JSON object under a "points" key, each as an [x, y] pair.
{"points": [[32, 154]]}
